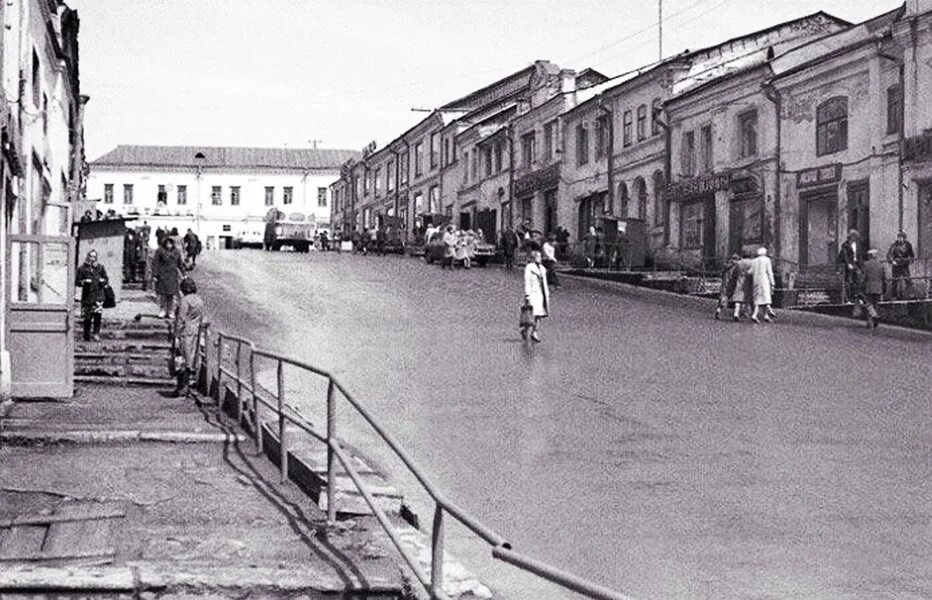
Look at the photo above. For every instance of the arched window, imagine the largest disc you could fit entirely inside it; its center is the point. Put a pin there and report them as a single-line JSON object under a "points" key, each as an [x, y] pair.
{"points": [[655, 116], [832, 126], [622, 200], [640, 192], [660, 208]]}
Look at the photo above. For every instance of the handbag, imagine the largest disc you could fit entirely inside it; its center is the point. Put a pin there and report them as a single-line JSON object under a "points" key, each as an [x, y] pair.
{"points": [[526, 318], [109, 297]]}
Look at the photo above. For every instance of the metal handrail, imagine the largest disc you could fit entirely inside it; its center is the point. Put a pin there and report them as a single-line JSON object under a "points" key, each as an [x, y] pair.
{"points": [[501, 548]]}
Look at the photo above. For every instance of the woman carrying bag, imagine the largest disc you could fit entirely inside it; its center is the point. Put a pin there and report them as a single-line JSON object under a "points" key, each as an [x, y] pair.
{"points": [[94, 283], [536, 296]]}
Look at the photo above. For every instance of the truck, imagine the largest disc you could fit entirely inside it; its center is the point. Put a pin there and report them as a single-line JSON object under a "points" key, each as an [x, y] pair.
{"points": [[282, 230]]}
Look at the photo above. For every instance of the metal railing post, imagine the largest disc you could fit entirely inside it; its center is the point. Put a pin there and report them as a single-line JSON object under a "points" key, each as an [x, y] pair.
{"points": [[219, 376], [239, 384], [257, 426], [281, 422], [331, 458], [436, 553]]}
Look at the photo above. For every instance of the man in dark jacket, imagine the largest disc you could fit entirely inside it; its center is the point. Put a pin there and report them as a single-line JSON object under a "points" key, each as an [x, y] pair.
{"points": [[900, 255], [509, 245], [875, 283], [92, 278], [850, 257]]}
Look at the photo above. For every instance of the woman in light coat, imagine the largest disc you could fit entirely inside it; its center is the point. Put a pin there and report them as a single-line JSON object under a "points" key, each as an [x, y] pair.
{"points": [[762, 278], [536, 293]]}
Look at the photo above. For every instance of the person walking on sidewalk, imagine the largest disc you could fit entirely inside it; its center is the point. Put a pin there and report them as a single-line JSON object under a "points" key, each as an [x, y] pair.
{"points": [[549, 260], [727, 289], [509, 246], [167, 266], [188, 321], [849, 256], [762, 281], [875, 283], [92, 277], [900, 255], [536, 294]]}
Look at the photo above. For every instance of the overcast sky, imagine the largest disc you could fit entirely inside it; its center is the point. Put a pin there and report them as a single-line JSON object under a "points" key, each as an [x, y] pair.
{"points": [[286, 72]]}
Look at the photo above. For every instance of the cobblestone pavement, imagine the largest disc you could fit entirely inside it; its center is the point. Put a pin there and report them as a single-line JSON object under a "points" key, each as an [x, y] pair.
{"points": [[642, 444]]}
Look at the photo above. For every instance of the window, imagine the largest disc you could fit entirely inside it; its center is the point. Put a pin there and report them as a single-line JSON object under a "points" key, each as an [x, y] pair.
{"points": [[433, 202], [601, 136], [287, 193], [127, 193], [582, 145], [108, 193], [36, 83], [378, 182], [365, 183], [269, 196], [655, 109], [691, 225], [475, 163], [705, 148], [626, 128], [747, 128], [642, 122], [447, 157], [433, 150], [162, 196], [389, 176], [487, 160], [227, 228], [894, 109], [418, 157], [405, 164], [660, 205], [215, 198], [550, 140], [418, 203], [182, 195], [832, 126], [322, 197], [234, 195], [688, 154], [498, 151], [528, 149]]}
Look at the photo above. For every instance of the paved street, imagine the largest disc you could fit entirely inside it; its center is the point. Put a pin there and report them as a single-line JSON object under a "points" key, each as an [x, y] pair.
{"points": [[642, 444]]}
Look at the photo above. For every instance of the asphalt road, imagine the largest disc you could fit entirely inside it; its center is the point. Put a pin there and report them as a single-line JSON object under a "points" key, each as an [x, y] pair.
{"points": [[642, 444]]}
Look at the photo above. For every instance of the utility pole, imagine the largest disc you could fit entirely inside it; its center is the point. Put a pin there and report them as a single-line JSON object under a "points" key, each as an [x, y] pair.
{"points": [[659, 29]]}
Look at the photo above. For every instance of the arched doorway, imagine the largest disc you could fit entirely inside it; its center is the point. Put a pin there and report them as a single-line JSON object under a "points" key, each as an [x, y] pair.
{"points": [[640, 193]]}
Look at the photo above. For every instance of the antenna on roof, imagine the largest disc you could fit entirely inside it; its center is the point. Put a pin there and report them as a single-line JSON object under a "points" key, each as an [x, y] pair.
{"points": [[314, 143]]}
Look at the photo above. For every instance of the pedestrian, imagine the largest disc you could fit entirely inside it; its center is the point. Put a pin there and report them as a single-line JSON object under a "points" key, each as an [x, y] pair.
{"points": [[509, 245], [590, 245], [87, 217], [727, 288], [364, 240], [471, 245], [460, 254], [741, 294], [549, 260], [93, 279], [900, 256], [192, 247], [874, 279], [188, 322], [380, 238], [536, 294], [449, 247], [130, 256], [563, 239], [849, 256], [762, 281], [167, 267]]}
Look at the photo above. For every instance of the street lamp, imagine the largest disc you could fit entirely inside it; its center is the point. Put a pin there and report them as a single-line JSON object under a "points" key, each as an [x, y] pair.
{"points": [[199, 162]]}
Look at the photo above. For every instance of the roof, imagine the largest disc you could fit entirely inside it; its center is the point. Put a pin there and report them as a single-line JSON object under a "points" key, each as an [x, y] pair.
{"points": [[511, 84], [229, 157]]}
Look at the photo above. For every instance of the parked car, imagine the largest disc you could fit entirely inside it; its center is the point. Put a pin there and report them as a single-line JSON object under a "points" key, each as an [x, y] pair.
{"points": [[248, 238], [434, 250]]}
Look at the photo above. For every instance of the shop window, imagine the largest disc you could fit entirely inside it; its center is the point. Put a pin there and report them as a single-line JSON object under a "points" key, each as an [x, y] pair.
{"points": [[747, 127], [626, 128], [691, 225], [894, 109], [642, 122], [832, 126]]}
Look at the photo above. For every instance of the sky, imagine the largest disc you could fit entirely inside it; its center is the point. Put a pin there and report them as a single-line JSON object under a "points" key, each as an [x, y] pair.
{"points": [[342, 73]]}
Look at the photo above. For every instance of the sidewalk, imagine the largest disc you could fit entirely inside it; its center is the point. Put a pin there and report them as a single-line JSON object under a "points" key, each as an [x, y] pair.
{"points": [[123, 491]]}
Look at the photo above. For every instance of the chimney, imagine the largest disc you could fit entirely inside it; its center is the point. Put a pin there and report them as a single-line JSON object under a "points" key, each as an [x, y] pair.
{"points": [[568, 88], [918, 7]]}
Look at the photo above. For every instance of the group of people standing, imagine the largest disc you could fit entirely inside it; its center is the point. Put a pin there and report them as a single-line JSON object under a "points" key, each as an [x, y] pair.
{"points": [[747, 281]]}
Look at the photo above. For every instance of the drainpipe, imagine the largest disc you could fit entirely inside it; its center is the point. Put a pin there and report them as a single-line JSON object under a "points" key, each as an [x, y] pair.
{"points": [[611, 155], [397, 178], [667, 169], [901, 69], [510, 134], [773, 95]]}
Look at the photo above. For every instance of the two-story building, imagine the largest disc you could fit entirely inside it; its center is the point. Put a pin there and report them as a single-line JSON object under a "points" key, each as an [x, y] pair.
{"points": [[218, 192], [724, 194]]}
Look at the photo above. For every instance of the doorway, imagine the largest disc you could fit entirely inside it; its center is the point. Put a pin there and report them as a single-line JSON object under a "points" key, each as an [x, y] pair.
{"points": [[818, 229], [859, 210]]}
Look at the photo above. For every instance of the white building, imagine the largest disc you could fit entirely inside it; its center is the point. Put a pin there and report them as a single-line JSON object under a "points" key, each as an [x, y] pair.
{"points": [[217, 192]]}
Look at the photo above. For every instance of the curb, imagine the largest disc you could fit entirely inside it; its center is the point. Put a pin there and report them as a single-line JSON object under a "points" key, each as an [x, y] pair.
{"points": [[46, 436], [798, 317]]}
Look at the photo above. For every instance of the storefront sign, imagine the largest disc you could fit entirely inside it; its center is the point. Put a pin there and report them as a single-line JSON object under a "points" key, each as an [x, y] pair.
{"points": [[545, 178], [918, 148], [696, 187], [818, 176]]}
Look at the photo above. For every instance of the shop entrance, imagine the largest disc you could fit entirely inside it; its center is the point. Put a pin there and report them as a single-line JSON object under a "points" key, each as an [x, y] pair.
{"points": [[486, 221], [818, 229]]}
